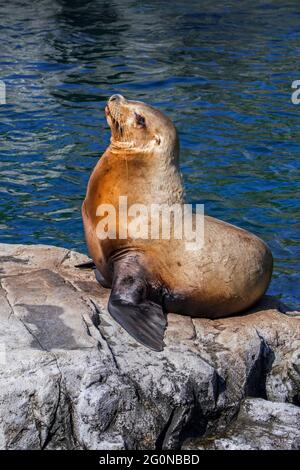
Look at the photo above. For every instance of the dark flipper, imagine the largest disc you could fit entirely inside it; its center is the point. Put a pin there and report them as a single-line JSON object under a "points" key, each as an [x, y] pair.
{"points": [[88, 265], [130, 307], [145, 321]]}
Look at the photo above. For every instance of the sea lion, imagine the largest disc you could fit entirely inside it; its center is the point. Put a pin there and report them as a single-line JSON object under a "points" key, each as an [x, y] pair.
{"points": [[150, 278]]}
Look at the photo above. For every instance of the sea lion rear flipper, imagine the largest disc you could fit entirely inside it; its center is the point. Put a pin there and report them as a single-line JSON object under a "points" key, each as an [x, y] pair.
{"points": [[88, 265], [139, 316], [100, 278]]}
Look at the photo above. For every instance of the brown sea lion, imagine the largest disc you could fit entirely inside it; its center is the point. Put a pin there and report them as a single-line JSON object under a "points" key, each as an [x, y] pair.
{"points": [[150, 278]]}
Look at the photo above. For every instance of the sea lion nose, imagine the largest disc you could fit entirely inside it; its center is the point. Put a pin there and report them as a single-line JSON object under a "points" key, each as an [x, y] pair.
{"points": [[116, 98]]}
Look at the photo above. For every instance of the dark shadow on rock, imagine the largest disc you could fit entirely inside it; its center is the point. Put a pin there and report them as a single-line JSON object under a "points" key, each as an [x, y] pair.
{"points": [[257, 377], [50, 331], [269, 302], [188, 421]]}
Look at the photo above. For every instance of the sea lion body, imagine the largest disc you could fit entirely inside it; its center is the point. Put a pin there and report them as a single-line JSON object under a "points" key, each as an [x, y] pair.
{"points": [[150, 277]]}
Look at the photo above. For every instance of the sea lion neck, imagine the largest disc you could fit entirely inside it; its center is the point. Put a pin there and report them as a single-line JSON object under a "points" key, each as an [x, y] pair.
{"points": [[151, 176], [145, 157], [116, 146]]}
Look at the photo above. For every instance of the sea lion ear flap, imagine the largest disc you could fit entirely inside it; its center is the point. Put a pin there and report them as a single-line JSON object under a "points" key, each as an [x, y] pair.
{"points": [[157, 139], [143, 319]]}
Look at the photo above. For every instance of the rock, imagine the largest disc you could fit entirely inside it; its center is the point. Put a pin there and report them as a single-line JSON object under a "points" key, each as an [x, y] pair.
{"points": [[71, 378], [260, 425]]}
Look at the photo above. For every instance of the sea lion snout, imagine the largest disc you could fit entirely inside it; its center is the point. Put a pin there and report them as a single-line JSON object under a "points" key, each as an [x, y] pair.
{"points": [[116, 97], [141, 127], [113, 102]]}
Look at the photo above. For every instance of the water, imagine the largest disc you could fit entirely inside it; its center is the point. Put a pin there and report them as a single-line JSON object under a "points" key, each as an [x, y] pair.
{"points": [[221, 70]]}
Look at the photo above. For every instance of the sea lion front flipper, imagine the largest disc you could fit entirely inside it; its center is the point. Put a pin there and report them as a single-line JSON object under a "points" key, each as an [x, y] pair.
{"points": [[130, 307], [145, 322]]}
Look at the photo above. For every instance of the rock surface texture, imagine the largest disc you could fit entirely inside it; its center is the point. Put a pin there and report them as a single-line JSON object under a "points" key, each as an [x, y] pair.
{"points": [[71, 378]]}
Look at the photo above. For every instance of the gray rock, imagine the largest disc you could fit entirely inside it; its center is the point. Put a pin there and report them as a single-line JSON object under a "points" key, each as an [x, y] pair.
{"points": [[71, 378], [260, 425]]}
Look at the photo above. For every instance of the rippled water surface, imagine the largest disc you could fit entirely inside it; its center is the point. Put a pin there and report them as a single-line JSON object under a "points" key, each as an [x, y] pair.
{"points": [[221, 70]]}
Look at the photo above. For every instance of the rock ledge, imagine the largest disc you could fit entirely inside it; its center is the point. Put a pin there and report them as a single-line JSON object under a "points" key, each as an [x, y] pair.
{"points": [[71, 378]]}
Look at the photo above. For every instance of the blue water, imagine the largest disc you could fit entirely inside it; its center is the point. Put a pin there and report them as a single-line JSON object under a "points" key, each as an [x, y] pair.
{"points": [[221, 70]]}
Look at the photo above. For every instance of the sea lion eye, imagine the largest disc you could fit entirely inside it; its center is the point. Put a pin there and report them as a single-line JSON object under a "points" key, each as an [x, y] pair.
{"points": [[140, 120]]}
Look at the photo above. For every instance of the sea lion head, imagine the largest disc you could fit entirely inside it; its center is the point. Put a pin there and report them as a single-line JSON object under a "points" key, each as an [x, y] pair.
{"points": [[136, 125]]}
